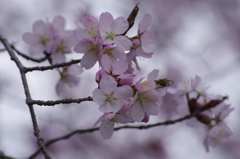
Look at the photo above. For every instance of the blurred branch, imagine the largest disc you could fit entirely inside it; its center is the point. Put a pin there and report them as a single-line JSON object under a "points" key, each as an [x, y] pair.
{"points": [[3, 49], [43, 68], [21, 68], [3, 156], [168, 122], [211, 104], [30, 58], [64, 101]]}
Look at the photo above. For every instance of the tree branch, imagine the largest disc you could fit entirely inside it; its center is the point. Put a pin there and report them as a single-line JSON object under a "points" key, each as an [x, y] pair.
{"points": [[43, 68], [1, 50], [29, 58], [63, 101], [27, 94], [168, 122]]}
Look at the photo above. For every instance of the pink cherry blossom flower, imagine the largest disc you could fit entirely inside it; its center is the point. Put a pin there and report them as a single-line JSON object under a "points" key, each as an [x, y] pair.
{"points": [[89, 28], [91, 50], [40, 40], [108, 121], [109, 96], [70, 77], [149, 84], [62, 46], [218, 134], [113, 52], [117, 69], [195, 85], [111, 30], [146, 36], [145, 102], [58, 26]]}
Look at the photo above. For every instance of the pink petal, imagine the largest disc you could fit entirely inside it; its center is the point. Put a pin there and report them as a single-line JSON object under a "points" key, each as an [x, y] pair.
{"points": [[137, 112], [140, 52], [36, 50], [30, 38], [123, 43], [98, 96], [123, 92], [39, 27], [81, 33], [60, 87], [58, 58], [106, 129], [122, 119], [119, 53], [107, 84], [89, 59], [59, 22], [74, 70], [105, 116], [83, 46], [151, 109], [153, 74], [90, 23], [107, 107], [106, 62], [120, 25], [148, 41], [106, 20], [119, 67], [144, 23]]}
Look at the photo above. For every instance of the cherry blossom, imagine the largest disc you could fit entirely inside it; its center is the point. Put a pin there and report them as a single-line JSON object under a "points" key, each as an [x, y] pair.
{"points": [[109, 96], [218, 134], [89, 28], [111, 30], [91, 50], [70, 77], [40, 40]]}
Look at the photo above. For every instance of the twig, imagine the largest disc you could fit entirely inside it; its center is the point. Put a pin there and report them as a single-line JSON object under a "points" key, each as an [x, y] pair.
{"points": [[210, 105], [28, 96], [1, 50], [64, 101], [29, 58], [168, 122], [43, 68]]}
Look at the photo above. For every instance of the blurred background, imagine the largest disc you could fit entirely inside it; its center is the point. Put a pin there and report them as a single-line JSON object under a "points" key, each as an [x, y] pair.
{"points": [[193, 37]]}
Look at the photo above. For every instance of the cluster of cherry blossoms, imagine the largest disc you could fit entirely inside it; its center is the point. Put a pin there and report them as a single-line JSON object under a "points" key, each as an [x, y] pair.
{"points": [[52, 39], [213, 109], [103, 40]]}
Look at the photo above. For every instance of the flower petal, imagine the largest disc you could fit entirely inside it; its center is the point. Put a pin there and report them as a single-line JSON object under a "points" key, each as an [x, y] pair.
{"points": [[137, 112], [98, 96], [106, 129], [123, 42]]}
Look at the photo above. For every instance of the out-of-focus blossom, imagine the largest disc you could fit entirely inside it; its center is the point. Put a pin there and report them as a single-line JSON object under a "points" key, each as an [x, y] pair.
{"points": [[40, 40], [108, 121], [217, 134], [145, 102], [70, 77]]}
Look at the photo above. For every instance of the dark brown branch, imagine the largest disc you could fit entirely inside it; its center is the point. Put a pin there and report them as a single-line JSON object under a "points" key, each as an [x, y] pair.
{"points": [[1, 50], [3, 156], [64, 101], [27, 94], [29, 58], [168, 122], [211, 104], [43, 68]]}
